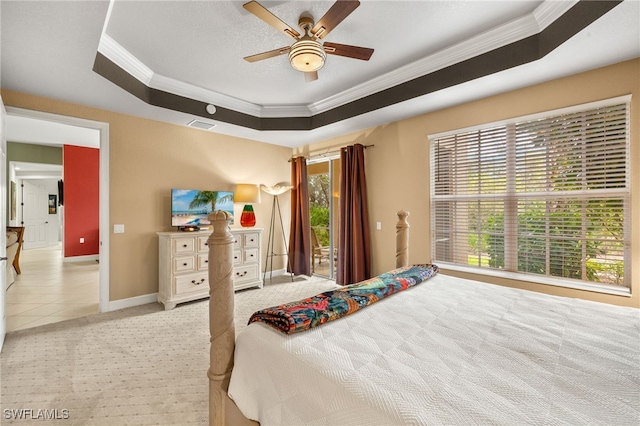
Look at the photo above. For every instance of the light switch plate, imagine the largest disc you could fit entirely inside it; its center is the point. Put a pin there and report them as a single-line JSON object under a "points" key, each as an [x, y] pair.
{"points": [[118, 229]]}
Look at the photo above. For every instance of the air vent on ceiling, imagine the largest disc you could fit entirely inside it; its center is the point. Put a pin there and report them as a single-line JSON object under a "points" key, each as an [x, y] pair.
{"points": [[201, 125]]}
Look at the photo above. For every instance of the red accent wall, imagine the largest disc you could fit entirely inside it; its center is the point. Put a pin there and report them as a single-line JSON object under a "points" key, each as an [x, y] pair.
{"points": [[81, 176]]}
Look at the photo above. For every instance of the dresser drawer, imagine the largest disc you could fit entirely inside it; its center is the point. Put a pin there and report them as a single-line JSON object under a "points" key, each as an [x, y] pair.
{"points": [[237, 243], [250, 255], [245, 273], [203, 243], [203, 261], [251, 239], [184, 264], [191, 283], [237, 257], [183, 245]]}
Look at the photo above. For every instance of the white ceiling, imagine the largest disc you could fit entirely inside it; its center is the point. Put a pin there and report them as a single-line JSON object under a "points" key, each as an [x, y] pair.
{"points": [[195, 49], [220, 33], [37, 131], [24, 170]]}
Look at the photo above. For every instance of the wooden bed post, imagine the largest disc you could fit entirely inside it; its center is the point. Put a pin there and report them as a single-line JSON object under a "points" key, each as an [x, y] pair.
{"points": [[402, 239], [221, 325]]}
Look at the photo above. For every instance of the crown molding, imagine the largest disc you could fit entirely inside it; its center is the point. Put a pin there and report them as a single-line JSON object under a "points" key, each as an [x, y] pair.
{"points": [[120, 56], [518, 29], [275, 111], [515, 30], [171, 85], [549, 11], [125, 60]]}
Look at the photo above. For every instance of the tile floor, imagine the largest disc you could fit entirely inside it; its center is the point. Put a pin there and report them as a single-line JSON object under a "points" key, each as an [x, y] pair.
{"points": [[49, 290]]}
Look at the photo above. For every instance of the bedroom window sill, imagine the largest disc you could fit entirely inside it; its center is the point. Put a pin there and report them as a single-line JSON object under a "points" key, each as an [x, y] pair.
{"points": [[557, 282]]}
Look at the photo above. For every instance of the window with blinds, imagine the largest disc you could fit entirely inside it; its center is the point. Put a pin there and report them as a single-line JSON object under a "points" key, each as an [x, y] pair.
{"points": [[546, 196]]}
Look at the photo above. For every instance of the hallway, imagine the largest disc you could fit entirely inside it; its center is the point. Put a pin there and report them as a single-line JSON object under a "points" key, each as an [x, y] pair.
{"points": [[49, 290]]}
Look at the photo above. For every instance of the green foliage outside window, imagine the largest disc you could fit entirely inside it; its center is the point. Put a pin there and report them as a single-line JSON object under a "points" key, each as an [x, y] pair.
{"points": [[319, 212], [561, 241]]}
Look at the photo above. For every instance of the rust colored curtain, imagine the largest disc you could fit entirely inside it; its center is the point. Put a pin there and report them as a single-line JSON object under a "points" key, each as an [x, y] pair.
{"points": [[299, 238], [354, 245]]}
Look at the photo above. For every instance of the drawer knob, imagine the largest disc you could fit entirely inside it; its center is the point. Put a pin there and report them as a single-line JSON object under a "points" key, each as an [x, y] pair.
{"points": [[184, 245], [184, 264], [196, 282], [206, 261], [235, 257], [241, 274], [252, 240], [206, 244], [251, 255]]}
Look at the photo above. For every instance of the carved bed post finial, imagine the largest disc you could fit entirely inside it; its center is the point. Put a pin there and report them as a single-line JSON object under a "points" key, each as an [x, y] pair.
{"points": [[402, 239], [221, 325]]}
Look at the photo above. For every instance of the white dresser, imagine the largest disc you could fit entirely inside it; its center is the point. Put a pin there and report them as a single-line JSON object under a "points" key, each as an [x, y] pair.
{"points": [[183, 264]]}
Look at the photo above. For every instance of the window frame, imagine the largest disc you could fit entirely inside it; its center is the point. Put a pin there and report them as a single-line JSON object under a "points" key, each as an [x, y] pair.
{"points": [[510, 203]]}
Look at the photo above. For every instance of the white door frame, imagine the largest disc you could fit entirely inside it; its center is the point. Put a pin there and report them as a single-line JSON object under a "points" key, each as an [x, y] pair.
{"points": [[35, 214], [104, 186], [3, 222]]}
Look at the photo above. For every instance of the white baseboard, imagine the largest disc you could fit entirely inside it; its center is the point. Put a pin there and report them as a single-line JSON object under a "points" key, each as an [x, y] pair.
{"points": [[81, 258], [153, 297], [132, 301], [275, 273]]}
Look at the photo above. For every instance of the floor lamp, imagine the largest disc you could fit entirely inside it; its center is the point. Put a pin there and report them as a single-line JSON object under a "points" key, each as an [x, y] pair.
{"points": [[276, 191]]}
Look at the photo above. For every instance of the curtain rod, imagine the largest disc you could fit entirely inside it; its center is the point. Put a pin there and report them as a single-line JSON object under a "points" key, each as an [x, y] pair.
{"points": [[326, 154]]}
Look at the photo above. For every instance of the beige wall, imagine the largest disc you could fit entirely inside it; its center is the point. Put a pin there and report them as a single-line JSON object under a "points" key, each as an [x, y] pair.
{"points": [[147, 159], [398, 165]]}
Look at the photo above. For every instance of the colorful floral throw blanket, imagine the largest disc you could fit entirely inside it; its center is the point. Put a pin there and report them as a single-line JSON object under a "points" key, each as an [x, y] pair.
{"points": [[301, 315]]}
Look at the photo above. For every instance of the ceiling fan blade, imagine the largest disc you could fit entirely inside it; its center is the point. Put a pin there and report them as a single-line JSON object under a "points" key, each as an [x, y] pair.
{"points": [[355, 52], [267, 55], [261, 12], [336, 14], [310, 76]]}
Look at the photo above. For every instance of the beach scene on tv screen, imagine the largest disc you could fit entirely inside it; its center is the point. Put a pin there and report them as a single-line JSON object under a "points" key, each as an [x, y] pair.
{"points": [[191, 207]]}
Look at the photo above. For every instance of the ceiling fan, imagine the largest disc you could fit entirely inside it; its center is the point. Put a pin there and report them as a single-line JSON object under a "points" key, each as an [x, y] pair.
{"points": [[307, 54]]}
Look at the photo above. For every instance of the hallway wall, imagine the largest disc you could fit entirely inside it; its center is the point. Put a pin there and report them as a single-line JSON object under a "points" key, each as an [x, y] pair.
{"points": [[81, 201]]}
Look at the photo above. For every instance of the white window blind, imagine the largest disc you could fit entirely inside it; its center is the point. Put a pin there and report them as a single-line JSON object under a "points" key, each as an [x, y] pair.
{"points": [[546, 196]]}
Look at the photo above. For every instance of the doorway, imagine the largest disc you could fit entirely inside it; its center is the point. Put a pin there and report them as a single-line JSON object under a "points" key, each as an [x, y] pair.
{"points": [[41, 221], [57, 124], [323, 177]]}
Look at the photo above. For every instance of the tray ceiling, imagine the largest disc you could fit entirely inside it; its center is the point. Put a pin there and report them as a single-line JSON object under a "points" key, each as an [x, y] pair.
{"points": [[151, 58]]}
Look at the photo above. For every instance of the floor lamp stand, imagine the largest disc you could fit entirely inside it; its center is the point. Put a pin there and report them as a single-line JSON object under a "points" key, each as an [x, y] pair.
{"points": [[270, 253]]}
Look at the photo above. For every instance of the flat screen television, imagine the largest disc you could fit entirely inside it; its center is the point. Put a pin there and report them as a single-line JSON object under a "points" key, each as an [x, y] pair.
{"points": [[191, 207]]}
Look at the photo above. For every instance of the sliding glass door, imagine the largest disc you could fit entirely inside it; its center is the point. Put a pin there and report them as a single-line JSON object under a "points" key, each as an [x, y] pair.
{"points": [[324, 187]]}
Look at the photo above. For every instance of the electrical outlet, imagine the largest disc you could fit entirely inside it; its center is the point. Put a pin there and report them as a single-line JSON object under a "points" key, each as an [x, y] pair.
{"points": [[118, 229], [378, 225], [81, 240]]}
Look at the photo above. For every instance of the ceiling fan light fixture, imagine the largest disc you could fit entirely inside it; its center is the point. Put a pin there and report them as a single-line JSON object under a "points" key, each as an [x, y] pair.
{"points": [[307, 55]]}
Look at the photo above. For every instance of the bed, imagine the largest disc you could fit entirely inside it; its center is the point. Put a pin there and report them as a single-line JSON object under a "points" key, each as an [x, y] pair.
{"points": [[445, 351]]}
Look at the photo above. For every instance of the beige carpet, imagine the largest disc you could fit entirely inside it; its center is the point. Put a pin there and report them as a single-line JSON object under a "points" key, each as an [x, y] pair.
{"points": [[136, 366]]}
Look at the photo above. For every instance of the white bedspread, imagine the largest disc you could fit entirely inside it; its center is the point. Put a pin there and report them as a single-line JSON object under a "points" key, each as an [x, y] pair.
{"points": [[449, 351]]}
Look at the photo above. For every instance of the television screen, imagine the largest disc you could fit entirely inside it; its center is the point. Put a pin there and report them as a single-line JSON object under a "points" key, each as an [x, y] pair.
{"points": [[191, 207]]}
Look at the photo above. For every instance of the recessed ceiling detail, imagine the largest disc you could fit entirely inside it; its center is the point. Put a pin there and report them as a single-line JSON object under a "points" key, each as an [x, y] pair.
{"points": [[123, 69]]}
